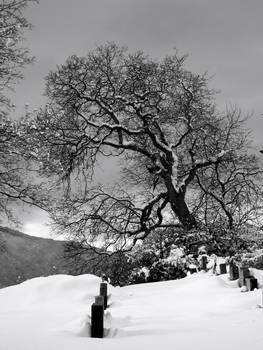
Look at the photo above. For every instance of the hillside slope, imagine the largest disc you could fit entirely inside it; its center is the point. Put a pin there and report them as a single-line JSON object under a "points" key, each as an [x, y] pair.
{"points": [[23, 257]]}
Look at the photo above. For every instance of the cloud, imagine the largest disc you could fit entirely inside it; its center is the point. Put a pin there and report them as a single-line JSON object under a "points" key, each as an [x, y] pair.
{"points": [[35, 223]]}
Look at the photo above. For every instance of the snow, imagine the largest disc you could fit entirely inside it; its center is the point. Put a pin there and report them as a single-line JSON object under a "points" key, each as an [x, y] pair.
{"points": [[201, 311]]}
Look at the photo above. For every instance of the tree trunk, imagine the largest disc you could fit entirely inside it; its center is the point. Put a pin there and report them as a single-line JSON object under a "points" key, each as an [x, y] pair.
{"points": [[179, 206], [181, 210]]}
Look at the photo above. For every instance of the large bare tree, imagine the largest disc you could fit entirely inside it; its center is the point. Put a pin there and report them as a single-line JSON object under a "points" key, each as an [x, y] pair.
{"points": [[180, 159]]}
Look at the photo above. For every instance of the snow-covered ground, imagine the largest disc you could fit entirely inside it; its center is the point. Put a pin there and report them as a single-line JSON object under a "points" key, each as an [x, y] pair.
{"points": [[200, 311]]}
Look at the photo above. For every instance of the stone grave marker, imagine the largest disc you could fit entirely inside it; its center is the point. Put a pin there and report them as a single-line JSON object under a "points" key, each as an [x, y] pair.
{"points": [[97, 320], [233, 271]]}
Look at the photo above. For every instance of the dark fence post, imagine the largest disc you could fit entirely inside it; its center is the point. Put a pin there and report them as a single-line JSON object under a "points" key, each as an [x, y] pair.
{"points": [[233, 271], [103, 293], [97, 315], [222, 268]]}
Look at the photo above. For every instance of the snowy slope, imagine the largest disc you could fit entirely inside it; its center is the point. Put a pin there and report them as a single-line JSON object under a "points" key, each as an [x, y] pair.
{"points": [[198, 312]]}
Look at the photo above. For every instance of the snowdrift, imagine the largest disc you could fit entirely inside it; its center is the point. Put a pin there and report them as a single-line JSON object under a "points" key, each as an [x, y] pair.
{"points": [[200, 311]]}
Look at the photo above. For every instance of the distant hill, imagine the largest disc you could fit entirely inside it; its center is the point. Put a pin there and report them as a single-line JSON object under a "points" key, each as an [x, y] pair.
{"points": [[23, 257]]}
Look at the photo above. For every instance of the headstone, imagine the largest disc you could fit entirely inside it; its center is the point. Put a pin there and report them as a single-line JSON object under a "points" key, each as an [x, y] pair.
{"points": [[103, 293], [233, 271], [203, 263], [251, 283], [222, 268], [243, 274], [97, 314]]}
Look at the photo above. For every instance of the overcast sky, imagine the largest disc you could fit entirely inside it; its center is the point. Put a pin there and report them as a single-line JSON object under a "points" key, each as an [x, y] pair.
{"points": [[222, 37]]}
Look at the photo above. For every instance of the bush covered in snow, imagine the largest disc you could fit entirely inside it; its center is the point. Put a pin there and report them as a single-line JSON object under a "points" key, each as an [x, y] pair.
{"points": [[217, 240], [251, 259], [157, 259], [169, 255]]}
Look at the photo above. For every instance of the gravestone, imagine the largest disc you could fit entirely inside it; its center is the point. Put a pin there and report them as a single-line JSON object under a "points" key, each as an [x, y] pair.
{"points": [[233, 271], [203, 263], [192, 270], [103, 293], [243, 274], [222, 268], [97, 322], [251, 283]]}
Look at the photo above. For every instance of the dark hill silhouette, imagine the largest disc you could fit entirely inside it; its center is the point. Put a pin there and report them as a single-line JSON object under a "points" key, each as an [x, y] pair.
{"points": [[23, 257]]}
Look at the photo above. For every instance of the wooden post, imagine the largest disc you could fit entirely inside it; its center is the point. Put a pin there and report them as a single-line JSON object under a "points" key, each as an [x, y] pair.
{"points": [[103, 293], [97, 315], [222, 268], [233, 271]]}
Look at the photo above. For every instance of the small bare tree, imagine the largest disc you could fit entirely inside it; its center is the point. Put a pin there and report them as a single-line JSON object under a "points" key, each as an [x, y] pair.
{"points": [[180, 158], [13, 58]]}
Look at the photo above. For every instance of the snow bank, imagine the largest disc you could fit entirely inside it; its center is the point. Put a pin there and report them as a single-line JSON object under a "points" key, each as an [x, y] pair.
{"points": [[200, 311], [56, 289]]}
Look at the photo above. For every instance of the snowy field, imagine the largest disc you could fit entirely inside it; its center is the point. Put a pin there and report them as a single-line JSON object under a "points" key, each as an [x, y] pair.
{"points": [[200, 311]]}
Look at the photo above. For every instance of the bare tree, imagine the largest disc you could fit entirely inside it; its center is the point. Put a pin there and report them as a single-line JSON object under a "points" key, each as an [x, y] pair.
{"points": [[175, 149], [13, 58]]}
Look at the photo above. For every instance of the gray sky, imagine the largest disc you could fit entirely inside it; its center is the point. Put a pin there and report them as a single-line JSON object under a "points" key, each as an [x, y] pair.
{"points": [[222, 37]]}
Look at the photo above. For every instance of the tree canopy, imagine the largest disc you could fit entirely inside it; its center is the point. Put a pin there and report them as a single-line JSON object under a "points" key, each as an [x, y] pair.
{"points": [[183, 163]]}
